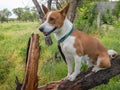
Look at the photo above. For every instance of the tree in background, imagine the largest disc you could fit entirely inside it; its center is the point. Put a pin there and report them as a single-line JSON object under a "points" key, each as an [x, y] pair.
{"points": [[4, 15], [49, 2], [85, 16], [117, 10], [72, 10], [18, 12], [26, 14], [34, 14]]}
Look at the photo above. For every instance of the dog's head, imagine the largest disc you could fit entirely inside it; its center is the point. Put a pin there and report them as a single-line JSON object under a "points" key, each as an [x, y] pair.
{"points": [[53, 20]]}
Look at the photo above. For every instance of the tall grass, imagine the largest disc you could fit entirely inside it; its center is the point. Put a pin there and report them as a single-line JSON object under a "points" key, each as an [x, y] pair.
{"points": [[13, 42]]}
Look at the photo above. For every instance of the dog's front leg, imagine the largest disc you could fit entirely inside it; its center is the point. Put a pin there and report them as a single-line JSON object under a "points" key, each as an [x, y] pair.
{"points": [[77, 68], [69, 65]]}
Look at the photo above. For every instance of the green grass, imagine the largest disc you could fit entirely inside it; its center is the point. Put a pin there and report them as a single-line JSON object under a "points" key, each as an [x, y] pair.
{"points": [[13, 43]]}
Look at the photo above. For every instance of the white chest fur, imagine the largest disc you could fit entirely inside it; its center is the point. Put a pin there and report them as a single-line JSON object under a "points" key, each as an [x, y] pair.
{"points": [[68, 46], [70, 51], [65, 29]]}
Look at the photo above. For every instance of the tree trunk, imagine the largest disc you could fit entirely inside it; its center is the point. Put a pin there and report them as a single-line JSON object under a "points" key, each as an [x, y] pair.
{"points": [[49, 3], [58, 5], [98, 21], [72, 9], [40, 12], [31, 80], [88, 82]]}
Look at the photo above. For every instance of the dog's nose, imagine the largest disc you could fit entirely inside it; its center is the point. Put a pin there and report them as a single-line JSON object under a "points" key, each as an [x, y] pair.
{"points": [[41, 29]]}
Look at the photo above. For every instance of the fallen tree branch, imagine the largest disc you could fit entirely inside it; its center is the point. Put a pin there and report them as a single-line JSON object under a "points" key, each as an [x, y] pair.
{"points": [[85, 83]]}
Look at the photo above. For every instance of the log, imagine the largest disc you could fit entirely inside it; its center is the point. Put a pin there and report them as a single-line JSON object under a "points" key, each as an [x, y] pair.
{"points": [[31, 80], [85, 83]]}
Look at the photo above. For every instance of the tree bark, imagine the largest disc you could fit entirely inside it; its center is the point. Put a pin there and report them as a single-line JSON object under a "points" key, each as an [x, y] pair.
{"points": [[40, 12], [98, 21], [49, 3], [72, 9], [85, 83], [31, 80], [58, 5]]}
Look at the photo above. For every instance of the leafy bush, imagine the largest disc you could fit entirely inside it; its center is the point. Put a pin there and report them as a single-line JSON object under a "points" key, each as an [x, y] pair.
{"points": [[86, 16], [116, 11], [108, 18]]}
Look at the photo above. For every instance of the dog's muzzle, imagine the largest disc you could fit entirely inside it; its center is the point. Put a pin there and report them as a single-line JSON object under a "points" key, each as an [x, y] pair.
{"points": [[41, 29], [47, 33]]}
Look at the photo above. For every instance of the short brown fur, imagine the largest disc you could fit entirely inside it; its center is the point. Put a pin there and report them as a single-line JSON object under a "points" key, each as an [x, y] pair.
{"points": [[57, 19], [87, 45]]}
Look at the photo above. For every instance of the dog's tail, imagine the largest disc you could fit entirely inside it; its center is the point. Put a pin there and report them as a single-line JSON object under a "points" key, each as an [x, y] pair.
{"points": [[112, 53]]}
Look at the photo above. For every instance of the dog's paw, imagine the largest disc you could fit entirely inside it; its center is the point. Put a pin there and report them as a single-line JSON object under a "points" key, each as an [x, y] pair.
{"points": [[71, 77], [96, 69]]}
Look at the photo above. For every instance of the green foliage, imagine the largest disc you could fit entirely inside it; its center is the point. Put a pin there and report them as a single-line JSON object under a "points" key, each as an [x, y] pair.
{"points": [[1, 37], [4, 68], [18, 12], [4, 14], [116, 11], [108, 18], [86, 16], [110, 39], [53, 70], [22, 52], [111, 16], [13, 42], [26, 14]]}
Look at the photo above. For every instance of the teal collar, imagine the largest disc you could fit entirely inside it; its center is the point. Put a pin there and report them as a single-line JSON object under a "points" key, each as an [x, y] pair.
{"points": [[66, 36]]}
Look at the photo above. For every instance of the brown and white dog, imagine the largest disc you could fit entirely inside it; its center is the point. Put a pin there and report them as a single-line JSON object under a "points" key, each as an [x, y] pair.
{"points": [[76, 45]]}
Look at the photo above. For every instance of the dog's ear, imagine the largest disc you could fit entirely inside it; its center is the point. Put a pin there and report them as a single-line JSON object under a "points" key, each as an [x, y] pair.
{"points": [[65, 10], [45, 9]]}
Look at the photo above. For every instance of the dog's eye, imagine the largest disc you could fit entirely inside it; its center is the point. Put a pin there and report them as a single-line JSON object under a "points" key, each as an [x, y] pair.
{"points": [[52, 19]]}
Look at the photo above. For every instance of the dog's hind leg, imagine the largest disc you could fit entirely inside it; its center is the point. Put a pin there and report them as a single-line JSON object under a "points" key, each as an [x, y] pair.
{"points": [[102, 63]]}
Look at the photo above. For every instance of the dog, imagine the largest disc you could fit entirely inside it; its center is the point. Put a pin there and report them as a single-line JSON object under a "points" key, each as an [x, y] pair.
{"points": [[75, 45]]}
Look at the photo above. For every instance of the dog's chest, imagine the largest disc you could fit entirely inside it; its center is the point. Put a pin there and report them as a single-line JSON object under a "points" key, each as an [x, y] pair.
{"points": [[68, 46], [70, 51]]}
